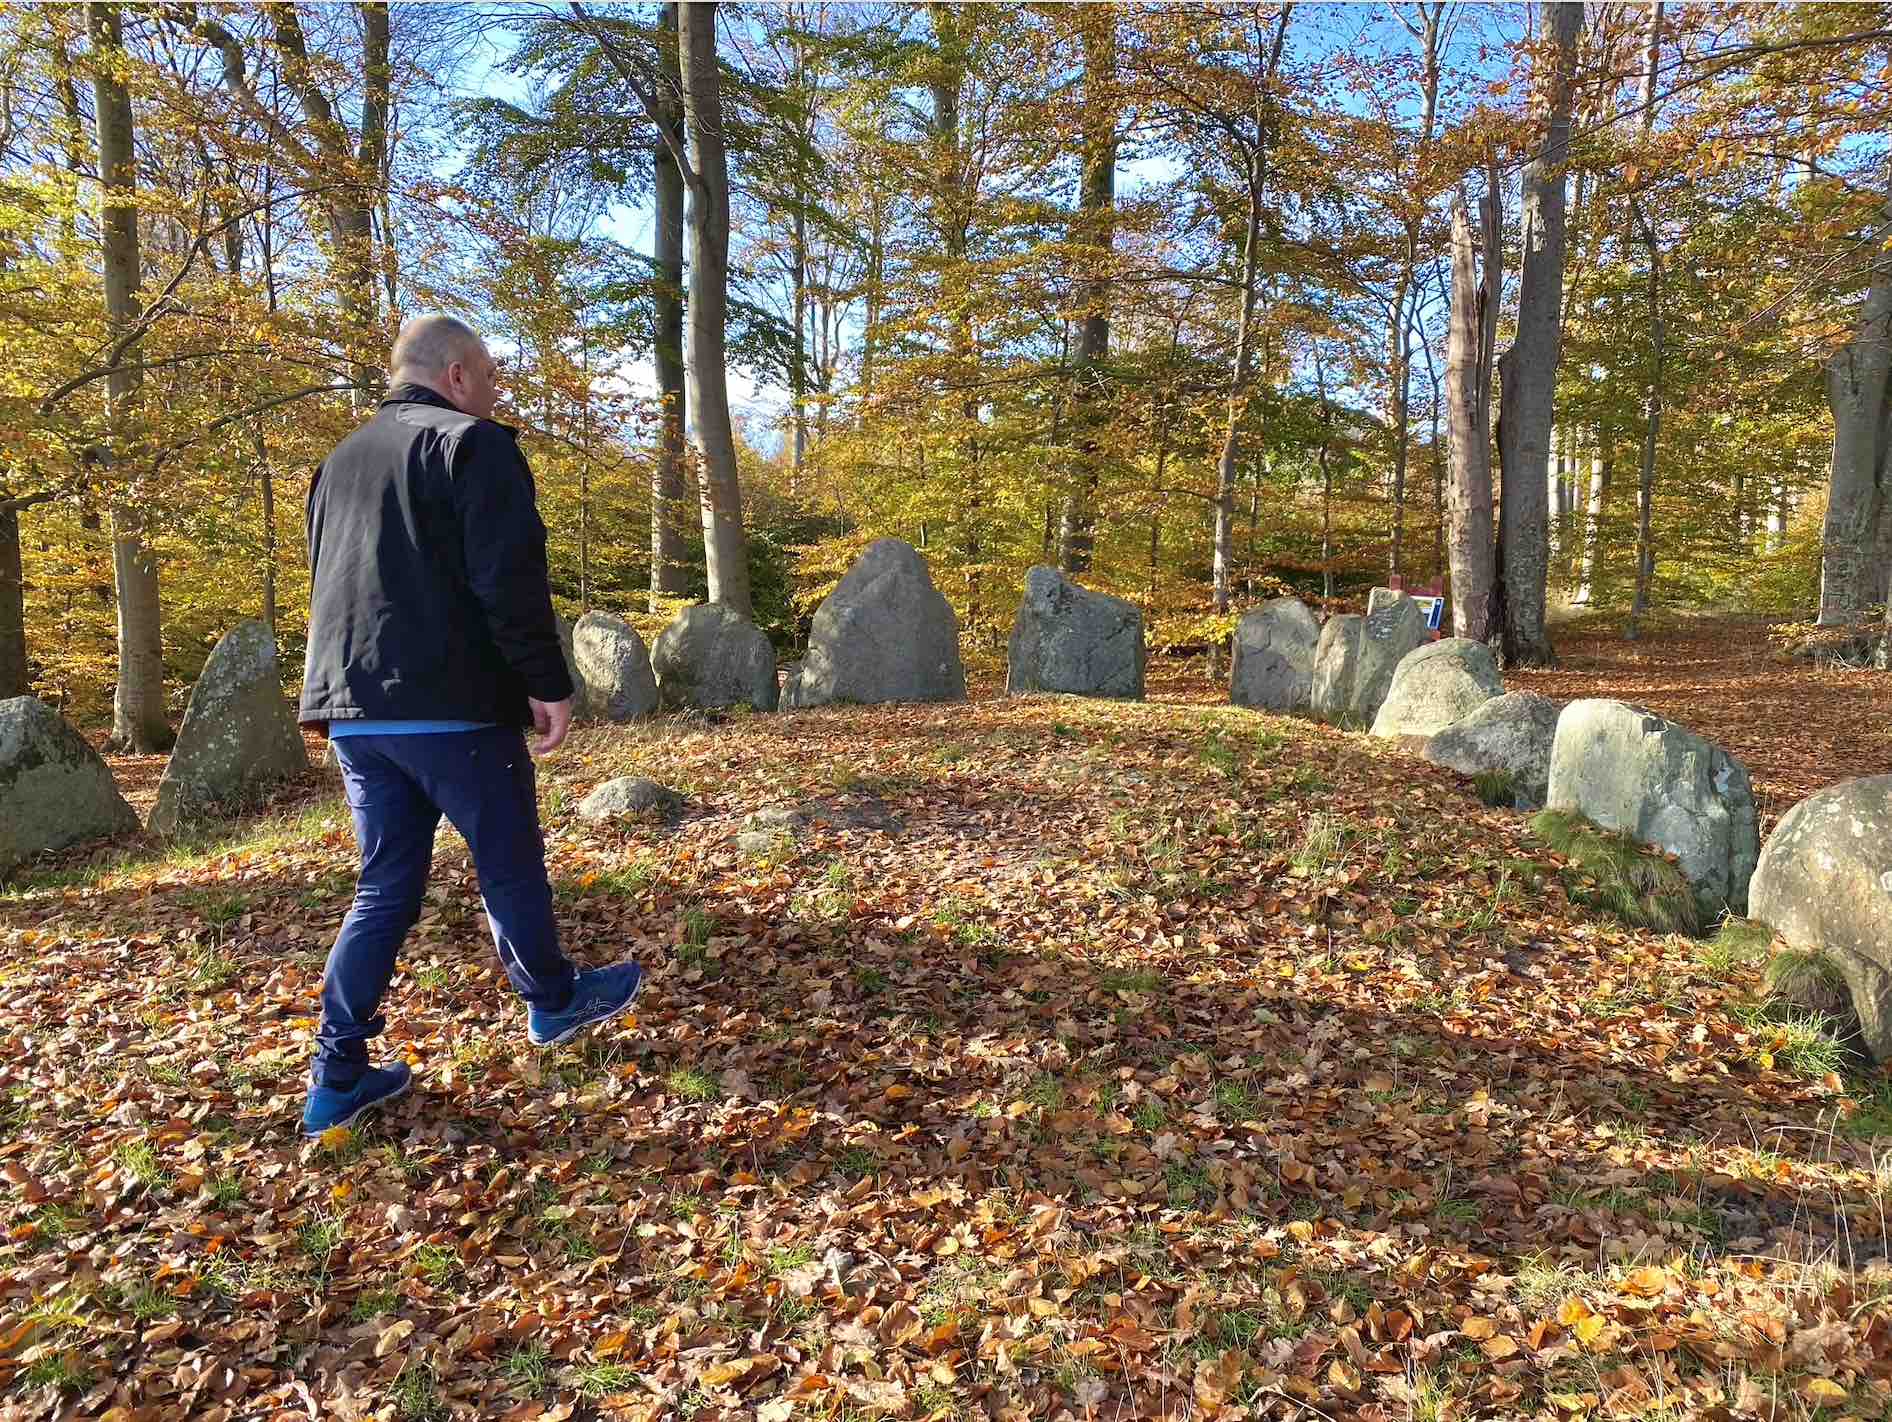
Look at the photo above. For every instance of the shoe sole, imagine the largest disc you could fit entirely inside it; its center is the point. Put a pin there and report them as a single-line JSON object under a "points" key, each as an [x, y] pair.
{"points": [[361, 1110], [577, 1027]]}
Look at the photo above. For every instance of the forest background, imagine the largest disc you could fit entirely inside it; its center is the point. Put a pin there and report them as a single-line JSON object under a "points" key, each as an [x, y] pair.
{"points": [[1162, 294]]}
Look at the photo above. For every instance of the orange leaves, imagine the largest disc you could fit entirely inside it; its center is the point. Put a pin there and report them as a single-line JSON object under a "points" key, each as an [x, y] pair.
{"points": [[1647, 1283]]}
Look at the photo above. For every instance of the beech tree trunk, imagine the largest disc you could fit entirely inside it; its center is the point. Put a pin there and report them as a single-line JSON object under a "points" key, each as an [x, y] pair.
{"points": [[1651, 432], [1601, 467], [1856, 392], [351, 205], [138, 722], [1400, 338], [725, 548], [13, 679], [1228, 463], [1652, 416], [1468, 413], [1528, 370], [951, 201], [669, 577], [1097, 201]]}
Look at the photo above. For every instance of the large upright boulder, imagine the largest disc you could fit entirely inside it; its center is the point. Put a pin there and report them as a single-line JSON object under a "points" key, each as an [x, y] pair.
{"points": [[1513, 734], [711, 657], [54, 788], [566, 636], [1436, 684], [1824, 883], [238, 731], [1273, 665], [1336, 665], [614, 677], [884, 634], [1627, 769], [1068, 638], [1356, 657]]}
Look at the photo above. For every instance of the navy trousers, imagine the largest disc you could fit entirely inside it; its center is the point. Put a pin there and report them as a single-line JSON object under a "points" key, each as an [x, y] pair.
{"points": [[398, 787]]}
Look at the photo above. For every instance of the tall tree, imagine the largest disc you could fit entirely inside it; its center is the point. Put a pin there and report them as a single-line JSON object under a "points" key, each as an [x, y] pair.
{"points": [[1859, 393], [1468, 374], [1527, 372], [138, 722], [348, 171], [1652, 411], [1429, 30], [1096, 224], [725, 548], [1254, 140], [669, 571]]}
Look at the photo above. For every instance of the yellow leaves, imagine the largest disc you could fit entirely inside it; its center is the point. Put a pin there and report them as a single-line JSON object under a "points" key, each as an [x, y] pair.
{"points": [[1343, 1377], [337, 1138], [1824, 1392], [1583, 1321], [1218, 1379], [722, 1373], [393, 1336]]}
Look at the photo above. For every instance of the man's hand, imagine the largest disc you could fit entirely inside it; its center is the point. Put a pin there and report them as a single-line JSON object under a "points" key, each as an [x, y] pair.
{"points": [[551, 719]]}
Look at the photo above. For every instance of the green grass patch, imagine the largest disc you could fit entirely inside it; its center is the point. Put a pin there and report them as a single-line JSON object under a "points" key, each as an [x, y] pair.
{"points": [[438, 1264], [1612, 873], [693, 1084], [596, 1380], [1738, 943], [416, 1395], [529, 1368], [373, 1304], [1497, 788], [59, 1370]]}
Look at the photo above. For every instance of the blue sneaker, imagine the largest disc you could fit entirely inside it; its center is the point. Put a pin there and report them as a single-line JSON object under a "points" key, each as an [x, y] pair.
{"points": [[599, 995], [330, 1106]]}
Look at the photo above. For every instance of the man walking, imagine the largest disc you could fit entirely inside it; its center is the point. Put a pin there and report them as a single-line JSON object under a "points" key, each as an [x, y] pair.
{"points": [[431, 645]]}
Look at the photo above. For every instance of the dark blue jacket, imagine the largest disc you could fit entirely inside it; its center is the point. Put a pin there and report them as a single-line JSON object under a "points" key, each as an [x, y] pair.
{"points": [[428, 594]]}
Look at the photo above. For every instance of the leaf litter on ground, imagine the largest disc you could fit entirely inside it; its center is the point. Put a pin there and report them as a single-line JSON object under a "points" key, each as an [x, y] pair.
{"points": [[1062, 1057]]}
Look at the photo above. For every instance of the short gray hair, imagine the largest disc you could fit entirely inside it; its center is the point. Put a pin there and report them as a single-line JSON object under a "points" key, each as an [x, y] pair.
{"points": [[427, 345]]}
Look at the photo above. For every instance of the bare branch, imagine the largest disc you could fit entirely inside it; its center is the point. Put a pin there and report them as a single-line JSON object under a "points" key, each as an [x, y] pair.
{"points": [[263, 407], [628, 73]]}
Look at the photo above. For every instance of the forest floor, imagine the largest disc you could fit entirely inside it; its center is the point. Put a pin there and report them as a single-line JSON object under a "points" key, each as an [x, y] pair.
{"points": [[1069, 1057]]}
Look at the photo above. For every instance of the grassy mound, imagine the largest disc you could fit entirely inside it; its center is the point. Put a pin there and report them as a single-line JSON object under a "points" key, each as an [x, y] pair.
{"points": [[1612, 872]]}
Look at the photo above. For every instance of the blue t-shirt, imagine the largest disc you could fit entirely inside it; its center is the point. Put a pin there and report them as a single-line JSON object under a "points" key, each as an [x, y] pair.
{"points": [[401, 728]]}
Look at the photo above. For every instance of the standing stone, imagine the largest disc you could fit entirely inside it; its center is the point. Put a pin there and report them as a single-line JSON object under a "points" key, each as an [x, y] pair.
{"points": [[1380, 598], [1437, 684], [613, 668], [884, 634], [54, 788], [711, 657], [1356, 657], [1628, 769], [238, 731], [1273, 665], [1512, 733], [1067, 638], [1824, 883], [1336, 664], [566, 635]]}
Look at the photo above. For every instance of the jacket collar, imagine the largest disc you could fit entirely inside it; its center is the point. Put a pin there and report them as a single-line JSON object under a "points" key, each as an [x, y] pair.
{"points": [[409, 393]]}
